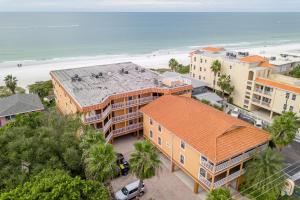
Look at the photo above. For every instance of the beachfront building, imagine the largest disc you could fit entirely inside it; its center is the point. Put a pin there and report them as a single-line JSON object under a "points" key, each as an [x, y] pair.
{"points": [[109, 97], [18, 104], [258, 85], [210, 146]]}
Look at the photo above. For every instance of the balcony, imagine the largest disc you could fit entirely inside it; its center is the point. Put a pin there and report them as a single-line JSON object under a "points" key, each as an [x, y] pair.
{"points": [[107, 125], [126, 117], [130, 103], [206, 182], [128, 128], [92, 118], [206, 164], [265, 103], [97, 117], [108, 138], [258, 90], [269, 93], [255, 100], [229, 178]]}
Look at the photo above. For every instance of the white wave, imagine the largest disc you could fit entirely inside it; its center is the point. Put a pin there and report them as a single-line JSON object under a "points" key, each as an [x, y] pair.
{"points": [[41, 27]]}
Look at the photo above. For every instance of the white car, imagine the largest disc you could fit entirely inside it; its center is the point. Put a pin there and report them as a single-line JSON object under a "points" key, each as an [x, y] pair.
{"points": [[235, 113], [258, 123], [130, 191]]}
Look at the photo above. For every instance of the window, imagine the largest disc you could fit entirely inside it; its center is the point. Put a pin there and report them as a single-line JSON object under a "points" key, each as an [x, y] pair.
{"points": [[151, 122], [159, 128], [182, 159], [294, 97], [200, 61], [151, 134], [230, 67], [182, 144], [287, 95], [202, 172], [219, 74], [195, 59], [200, 69], [199, 77], [203, 77], [205, 69], [205, 61], [159, 140], [284, 107], [291, 108], [130, 110], [203, 158], [194, 67], [194, 75]]}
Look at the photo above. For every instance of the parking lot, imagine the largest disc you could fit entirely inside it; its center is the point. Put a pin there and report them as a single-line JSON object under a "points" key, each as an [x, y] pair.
{"points": [[164, 186]]}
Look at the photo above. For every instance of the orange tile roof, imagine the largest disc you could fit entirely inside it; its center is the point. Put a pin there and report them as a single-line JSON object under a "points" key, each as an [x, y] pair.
{"points": [[254, 58], [213, 49], [265, 64], [212, 132], [278, 85]]}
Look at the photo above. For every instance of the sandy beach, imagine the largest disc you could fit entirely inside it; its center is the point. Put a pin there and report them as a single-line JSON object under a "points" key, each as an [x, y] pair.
{"points": [[32, 71]]}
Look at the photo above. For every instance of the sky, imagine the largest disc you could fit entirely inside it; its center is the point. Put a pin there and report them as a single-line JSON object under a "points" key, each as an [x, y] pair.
{"points": [[152, 5]]}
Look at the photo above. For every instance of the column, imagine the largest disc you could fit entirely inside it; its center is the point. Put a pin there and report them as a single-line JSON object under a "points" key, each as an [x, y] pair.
{"points": [[196, 187]]}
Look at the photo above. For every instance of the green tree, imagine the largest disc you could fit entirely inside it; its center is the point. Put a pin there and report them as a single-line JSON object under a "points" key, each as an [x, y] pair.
{"points": [[89, 138], [224, 83], [264, 176], [11, 83], [295, 72], [28, 147], [283, 129], [144, 161], [215, 68], [173, 63], [42, 88], [100, 162], [219, 194], [57, 184]]}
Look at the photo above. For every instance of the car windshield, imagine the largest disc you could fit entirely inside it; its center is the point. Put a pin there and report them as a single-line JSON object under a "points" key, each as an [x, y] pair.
{"points": [[124, 190]]}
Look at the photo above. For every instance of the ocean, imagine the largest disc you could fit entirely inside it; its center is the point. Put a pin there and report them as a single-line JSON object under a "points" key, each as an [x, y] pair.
{"points": [[46, 36]]}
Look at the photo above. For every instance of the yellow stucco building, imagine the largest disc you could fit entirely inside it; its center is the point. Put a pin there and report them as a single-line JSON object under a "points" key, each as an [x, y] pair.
{"points": [[210, 146]]}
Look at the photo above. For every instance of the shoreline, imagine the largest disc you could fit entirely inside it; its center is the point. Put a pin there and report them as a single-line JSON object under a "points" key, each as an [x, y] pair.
{"points": [[33, 71]]}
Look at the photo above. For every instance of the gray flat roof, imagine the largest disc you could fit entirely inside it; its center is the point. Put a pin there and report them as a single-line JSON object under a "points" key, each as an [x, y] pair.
{"points": [[194, 82], [209, 96], [87, 89]]}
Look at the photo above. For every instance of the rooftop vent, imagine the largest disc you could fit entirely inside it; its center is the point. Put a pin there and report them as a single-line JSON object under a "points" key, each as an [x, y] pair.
{"points": [[273, 58], [136, 68], [123, 71], [230, 55], [99, 75], [243, 53], [75, 78], [143, 70], [155, 81]]}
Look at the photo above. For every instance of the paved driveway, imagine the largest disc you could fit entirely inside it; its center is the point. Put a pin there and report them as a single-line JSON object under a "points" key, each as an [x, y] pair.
{"points": [[165, 186]]}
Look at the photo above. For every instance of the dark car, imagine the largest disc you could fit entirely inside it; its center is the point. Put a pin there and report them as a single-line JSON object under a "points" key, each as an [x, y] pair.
{"points": [[122, 165], [246, 118]]}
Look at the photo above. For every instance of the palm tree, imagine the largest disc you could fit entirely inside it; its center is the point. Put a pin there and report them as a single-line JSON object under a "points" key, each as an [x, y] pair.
{"points": [[144, 161], [264, 173], [224, 84], [11, 83], [283, 129], [100, 162], [173, 64], [215, 68], [90, 138], [219, 194]]}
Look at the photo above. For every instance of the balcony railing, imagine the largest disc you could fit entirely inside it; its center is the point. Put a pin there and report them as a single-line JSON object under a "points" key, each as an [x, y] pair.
{"points": [[258, 90], [127, 128], [255, 100], [231, 162], [107, 125], [126, 117], [268, 93], [206, 182], [92, 118], [265, 103], [108, 138], [106, 111], [130, 103], [229, 178]]}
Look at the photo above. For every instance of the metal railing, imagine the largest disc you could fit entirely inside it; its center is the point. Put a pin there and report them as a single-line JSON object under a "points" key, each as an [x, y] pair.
{"points": [[229, 178], [108, 138], [130, 103], [121, 118], [268, 93], [107, 125], [203, 180], [207, 164], [127, 128], [256, 100], [92, 118]]}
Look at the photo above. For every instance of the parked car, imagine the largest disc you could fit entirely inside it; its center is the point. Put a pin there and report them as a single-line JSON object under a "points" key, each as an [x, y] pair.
{"points": [[130, 191], [235, 112], [123, 165], [246, 118], [258, 123]]}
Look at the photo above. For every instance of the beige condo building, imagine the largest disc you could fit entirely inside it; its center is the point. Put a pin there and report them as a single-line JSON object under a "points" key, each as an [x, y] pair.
{"points": [[108, 97], [258, 84]]}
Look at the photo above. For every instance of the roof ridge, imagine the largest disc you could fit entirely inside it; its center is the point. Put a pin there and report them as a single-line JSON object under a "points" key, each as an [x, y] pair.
{"points": [[230, 129]]}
